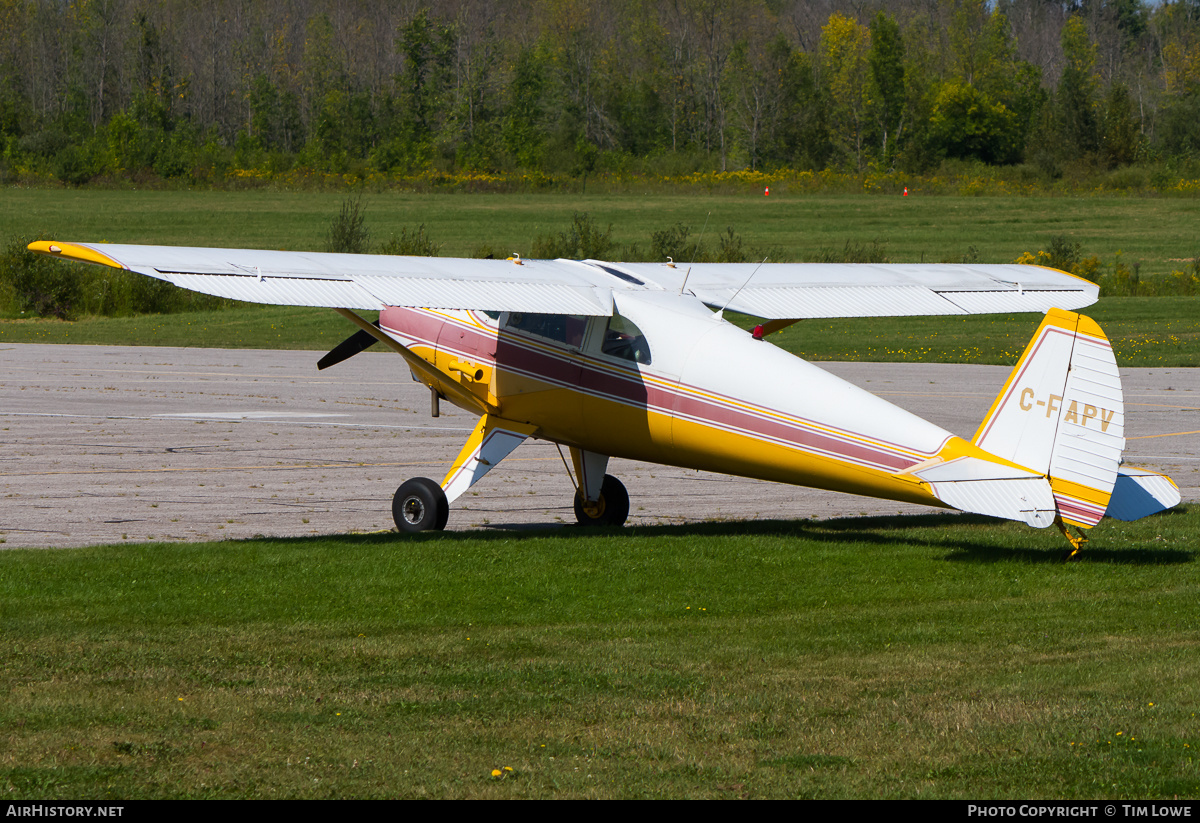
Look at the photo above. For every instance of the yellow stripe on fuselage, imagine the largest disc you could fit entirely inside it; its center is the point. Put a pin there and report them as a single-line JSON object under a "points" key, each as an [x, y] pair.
{"points": [[568, 413], [623, 429]]}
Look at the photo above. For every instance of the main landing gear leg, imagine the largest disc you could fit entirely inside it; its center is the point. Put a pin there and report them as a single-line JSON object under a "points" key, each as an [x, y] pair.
{"points": [[422, 505]]}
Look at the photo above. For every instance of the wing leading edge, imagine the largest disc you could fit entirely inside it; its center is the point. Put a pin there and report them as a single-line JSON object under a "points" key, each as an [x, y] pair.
{"points": [[774, 291]]}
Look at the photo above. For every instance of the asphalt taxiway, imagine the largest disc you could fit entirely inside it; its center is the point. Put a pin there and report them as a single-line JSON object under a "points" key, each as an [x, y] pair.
{"points": [[102, 444]]}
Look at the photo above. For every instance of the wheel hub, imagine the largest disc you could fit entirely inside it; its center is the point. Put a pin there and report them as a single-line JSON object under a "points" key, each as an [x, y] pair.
{"points": [[413, 509]]}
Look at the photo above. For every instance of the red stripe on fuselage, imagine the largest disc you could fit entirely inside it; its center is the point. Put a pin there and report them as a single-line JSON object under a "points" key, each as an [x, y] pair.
{"points": [[1079, 510], [416, 324], [614, 383]]}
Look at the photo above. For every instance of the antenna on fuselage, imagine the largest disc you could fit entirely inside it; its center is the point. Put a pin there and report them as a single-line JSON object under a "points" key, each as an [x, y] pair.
{"points": [[695, 251], [720, 315]]}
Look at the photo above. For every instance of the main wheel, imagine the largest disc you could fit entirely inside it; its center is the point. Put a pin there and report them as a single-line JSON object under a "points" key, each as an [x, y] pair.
{"points": [[420, 505], [610, 510]]}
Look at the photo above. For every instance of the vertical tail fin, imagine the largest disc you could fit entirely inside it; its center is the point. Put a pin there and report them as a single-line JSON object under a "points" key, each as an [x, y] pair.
{"points": [[1061, 414]]}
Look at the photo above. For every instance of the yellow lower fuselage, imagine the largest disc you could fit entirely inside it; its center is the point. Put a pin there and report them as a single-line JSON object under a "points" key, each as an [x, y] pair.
{"points": [[713, 398]]}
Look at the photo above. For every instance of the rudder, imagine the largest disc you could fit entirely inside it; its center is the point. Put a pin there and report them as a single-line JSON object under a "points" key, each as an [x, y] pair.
{"points": [[1061, 414]]}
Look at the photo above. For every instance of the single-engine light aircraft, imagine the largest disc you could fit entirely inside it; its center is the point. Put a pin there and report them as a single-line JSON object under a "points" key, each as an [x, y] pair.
{"points": [[635, 360]]}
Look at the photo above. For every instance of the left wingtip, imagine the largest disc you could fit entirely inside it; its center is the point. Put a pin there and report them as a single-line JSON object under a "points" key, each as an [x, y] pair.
{"points": [[73, 251]]}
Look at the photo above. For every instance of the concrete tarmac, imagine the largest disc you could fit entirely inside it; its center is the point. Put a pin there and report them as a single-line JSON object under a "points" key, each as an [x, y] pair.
{"points": [[103, 444]]}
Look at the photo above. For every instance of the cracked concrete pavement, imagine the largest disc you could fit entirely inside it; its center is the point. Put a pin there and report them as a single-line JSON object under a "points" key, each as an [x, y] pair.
{"points": [[102, 444]]}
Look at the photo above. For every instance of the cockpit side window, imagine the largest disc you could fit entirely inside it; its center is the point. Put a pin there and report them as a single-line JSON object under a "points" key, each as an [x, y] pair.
{"points": [[563, 328], [624, 340]]}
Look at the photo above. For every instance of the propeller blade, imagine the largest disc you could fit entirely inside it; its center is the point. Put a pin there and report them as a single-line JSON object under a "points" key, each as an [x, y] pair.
{"points": [[352, 345]]}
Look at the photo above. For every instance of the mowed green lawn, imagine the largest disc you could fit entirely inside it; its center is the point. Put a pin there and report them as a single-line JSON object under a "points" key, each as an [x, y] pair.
{"points": [[925, 656], [1145, 331], [1160, 234], [1157, 233]]}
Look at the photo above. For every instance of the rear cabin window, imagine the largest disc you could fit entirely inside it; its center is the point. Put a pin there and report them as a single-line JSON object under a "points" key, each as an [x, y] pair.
{"points": [[562, 328], [624, 340]]}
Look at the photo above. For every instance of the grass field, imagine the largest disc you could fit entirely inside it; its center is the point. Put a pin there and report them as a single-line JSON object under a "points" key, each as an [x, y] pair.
{"points": [[1145, 331], [923, 656], [1158, 234]]}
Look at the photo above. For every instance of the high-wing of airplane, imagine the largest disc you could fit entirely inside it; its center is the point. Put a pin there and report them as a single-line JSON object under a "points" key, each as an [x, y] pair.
{"points": [[631, 360]]}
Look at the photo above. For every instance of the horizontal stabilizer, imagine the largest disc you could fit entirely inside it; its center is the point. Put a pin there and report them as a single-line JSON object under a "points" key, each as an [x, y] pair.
{"points": [[982, 487], [1140, 493]]}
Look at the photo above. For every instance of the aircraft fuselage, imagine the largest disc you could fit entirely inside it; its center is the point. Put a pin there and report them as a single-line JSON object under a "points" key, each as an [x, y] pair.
{"points": [[692, 390]]}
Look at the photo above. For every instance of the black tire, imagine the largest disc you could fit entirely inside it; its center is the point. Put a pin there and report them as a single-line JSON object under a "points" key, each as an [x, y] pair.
{"points": [[420, 505], [612, 509]]}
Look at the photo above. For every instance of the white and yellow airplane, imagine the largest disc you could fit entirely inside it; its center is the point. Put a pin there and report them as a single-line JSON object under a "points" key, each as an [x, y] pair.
{"points": [[630, 360]]}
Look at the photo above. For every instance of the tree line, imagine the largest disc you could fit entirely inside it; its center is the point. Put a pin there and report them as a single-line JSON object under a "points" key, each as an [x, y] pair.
{"points": [[199, 89]]}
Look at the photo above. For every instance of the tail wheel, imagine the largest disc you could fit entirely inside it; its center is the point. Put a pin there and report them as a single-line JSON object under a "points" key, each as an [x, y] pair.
{"points": [[420, 505], [611, 509]]}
